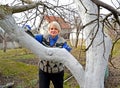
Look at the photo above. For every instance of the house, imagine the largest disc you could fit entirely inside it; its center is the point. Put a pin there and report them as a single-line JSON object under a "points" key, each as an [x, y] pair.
{"points": [[65, 26]]}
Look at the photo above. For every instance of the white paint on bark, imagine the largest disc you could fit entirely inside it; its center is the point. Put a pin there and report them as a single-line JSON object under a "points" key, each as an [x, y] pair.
{"points": [[56, 54], [96, 56], [98, 52]]}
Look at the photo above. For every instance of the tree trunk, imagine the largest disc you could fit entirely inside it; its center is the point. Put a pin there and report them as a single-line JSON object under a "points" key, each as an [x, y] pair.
{"points": [[16, 33], [98, 52], [98, 44], [4, 42], [77, 39]]}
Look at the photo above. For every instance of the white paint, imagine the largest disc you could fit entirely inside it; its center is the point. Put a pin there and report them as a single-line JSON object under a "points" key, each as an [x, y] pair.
{"points": [[98, 53], [96, 56], [10, 26]]}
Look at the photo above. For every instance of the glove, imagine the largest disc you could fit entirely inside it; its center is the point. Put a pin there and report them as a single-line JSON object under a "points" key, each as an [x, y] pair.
{"points": [[68, 48], [27, 29], [30, 33]]}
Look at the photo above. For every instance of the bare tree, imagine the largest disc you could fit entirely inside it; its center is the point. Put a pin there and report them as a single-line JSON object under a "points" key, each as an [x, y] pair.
{"points": [[77, 28], [3, 39], [98, 44]]}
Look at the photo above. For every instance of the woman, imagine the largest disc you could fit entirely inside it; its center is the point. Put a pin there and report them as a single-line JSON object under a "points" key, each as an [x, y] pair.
{"points": [[51, 70]]}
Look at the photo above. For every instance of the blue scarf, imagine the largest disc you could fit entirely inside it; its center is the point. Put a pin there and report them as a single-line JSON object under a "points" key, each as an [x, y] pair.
{"points": [[53, 40]]}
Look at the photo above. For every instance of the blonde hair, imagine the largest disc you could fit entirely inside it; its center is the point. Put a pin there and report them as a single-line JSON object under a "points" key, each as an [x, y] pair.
{"points": [[55, 23]]}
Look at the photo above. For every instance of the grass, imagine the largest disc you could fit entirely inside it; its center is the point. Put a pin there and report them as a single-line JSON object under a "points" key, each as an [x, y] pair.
{"points": [[26, 74], [116, 51], [9, 67]]}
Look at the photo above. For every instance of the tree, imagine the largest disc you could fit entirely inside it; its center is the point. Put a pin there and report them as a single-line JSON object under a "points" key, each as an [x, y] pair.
{"points": [[98, 44], [76, 33], [3, 38]]}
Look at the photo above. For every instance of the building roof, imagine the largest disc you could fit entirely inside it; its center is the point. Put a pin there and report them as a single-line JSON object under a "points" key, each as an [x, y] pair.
{"points": [[63, 24]]}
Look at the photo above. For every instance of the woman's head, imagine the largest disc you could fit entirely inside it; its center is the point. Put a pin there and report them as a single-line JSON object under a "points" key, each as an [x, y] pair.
{"points": [[54, 28]]}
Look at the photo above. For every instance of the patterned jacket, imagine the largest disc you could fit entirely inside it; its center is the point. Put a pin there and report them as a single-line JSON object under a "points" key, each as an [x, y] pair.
{"points": [[52, 66]]}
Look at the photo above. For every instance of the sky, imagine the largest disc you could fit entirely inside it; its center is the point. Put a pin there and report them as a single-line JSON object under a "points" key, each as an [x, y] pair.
{"points": [[10, 1], [65, 1], [20, 17], [110, 3]]}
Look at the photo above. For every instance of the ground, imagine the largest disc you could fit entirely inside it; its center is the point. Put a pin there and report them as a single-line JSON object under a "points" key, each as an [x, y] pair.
{"points": [[112, 82]]}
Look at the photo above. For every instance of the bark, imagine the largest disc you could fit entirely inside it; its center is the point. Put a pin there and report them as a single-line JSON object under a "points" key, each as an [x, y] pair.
{"points": [[98, 44], [4, 43], [108, 7], [8, 23]]}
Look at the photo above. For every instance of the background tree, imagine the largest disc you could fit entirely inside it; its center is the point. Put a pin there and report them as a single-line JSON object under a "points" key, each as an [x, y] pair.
{"points": [[76, 31]]}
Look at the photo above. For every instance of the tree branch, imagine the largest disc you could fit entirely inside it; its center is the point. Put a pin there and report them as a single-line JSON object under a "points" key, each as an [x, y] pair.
{"points": [[21, 8], [9, 25], [108, 7]]}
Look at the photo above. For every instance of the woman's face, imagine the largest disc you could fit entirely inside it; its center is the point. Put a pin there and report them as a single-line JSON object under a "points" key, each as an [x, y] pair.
{"points": [[53, 31]]}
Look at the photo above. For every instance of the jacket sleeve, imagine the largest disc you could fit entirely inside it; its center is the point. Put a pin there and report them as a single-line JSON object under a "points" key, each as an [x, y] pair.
{"points": [[39, 38], [67, 47]]}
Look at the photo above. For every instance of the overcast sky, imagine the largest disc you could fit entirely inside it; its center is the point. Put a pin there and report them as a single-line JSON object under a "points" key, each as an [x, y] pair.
{"points": [[62, 2], [65, 1]]}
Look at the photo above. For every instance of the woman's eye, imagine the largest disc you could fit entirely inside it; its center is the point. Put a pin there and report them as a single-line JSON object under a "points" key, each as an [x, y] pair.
{"points": [[55, 28], [51, 28]]}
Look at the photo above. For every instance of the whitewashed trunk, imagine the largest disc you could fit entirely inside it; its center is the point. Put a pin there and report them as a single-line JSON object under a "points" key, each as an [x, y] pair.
{"points": [[8, 23], [98, 53]]}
